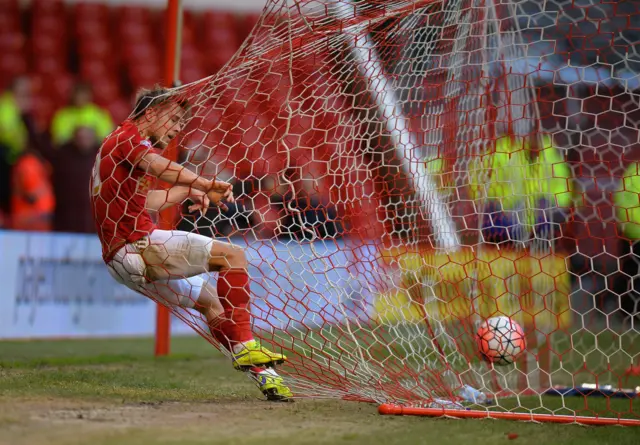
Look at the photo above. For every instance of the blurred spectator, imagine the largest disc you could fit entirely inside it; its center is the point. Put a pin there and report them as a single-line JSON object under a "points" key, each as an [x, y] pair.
{"points": [[627, 203], [498, 185], [32, 198], [72, 167], [267, 210], [523, 188], [17, 134], [551, 187], [15, 104], [239, 218], [5, 183], [4, 220], [81, 112], [305, 215]]}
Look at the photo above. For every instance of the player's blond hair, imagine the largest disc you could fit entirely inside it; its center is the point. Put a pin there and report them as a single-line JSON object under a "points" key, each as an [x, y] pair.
{"points": [[155, 97]]}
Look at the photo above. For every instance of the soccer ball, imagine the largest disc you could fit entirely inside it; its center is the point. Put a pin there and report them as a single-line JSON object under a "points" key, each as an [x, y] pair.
{"points": [[500, 340]]}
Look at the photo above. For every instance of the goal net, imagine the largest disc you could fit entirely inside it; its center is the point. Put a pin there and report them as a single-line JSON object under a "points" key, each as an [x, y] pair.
{"points": [[407, 169]]}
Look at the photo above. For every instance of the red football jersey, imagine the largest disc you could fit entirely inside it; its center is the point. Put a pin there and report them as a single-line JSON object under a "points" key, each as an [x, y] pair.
{"points": [[119, 190]]}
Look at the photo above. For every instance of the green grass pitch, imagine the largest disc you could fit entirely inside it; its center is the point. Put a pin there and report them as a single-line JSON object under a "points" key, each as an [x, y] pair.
{"points": [[103, 392]]}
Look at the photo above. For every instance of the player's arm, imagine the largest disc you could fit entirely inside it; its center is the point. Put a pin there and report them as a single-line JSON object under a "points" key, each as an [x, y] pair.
{"points": [[158, 200], [177, 175], [173, 173]]}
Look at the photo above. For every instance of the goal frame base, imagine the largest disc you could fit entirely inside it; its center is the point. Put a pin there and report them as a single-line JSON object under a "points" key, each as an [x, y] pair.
{"points": [[397, 410]]}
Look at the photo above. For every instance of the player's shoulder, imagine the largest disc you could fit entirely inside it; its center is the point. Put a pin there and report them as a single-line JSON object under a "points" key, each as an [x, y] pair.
{"points": [[126, 131], [127, 134]]}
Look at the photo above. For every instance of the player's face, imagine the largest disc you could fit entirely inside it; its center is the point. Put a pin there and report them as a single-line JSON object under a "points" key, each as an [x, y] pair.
{"points": [[166, 125]]}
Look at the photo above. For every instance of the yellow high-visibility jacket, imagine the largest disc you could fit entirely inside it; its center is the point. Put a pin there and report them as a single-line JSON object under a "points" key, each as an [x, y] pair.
{"points": [[66, 120], [550, 177], [517, 181], [501, 175], [627, 201], [13, 131]]}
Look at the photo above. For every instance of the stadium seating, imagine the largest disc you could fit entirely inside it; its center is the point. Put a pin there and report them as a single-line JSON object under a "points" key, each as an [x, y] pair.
{"points": [[47, 6], [116, 48]]}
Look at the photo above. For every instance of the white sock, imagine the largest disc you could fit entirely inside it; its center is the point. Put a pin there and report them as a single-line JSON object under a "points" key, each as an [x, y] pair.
{"points": [[269, 371], [238, 347]]}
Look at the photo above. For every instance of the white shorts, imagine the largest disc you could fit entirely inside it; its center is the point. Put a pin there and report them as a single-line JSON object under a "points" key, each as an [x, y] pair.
{"points": [[169, 266]]}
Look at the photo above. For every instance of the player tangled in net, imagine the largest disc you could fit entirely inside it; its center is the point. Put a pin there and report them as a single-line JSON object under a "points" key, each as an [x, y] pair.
{"points": [[174, 267]]}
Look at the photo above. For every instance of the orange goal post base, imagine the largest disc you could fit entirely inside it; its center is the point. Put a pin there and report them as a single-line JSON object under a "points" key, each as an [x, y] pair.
{"points": [[396, 410]]}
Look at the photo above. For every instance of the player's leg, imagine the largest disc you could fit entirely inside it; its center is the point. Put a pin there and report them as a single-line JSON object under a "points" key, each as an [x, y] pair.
{"points": [[233, 288], [198, 293], [177, 254], [208, 304], [233, 292]]}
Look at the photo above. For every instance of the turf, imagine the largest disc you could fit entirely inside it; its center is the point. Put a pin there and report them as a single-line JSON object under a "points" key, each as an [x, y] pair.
{"points": [[115, 392]]}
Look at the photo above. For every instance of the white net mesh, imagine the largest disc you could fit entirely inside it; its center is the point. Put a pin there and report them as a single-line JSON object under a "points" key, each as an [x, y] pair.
{"points": [[407, 169]]}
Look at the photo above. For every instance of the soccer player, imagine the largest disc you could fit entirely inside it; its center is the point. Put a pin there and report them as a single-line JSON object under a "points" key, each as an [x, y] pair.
{"points": [[174, 267]]}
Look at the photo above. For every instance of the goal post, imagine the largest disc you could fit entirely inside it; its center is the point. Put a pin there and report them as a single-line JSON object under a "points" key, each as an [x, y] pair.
{"points": [[407, 169], [389, 110], [387, 409], [168, 217]]}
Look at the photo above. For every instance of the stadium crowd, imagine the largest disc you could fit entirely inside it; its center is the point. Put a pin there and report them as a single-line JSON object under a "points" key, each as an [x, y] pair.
{"points": [[51, 124], [45, 171], [45, 174]]}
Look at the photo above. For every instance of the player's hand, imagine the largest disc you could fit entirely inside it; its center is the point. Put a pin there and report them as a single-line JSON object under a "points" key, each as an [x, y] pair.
{"points": [[200, 201], [224, 188], [219, 192], [218, 199]]}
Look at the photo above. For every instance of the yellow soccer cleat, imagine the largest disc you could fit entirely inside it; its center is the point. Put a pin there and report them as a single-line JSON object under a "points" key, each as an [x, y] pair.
{"points": [[254, 354], [272, 386]]}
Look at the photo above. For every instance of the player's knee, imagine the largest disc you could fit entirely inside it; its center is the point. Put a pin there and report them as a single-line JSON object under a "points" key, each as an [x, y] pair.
{"points": [[234, 258], [208, 302], [239, 258]]}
